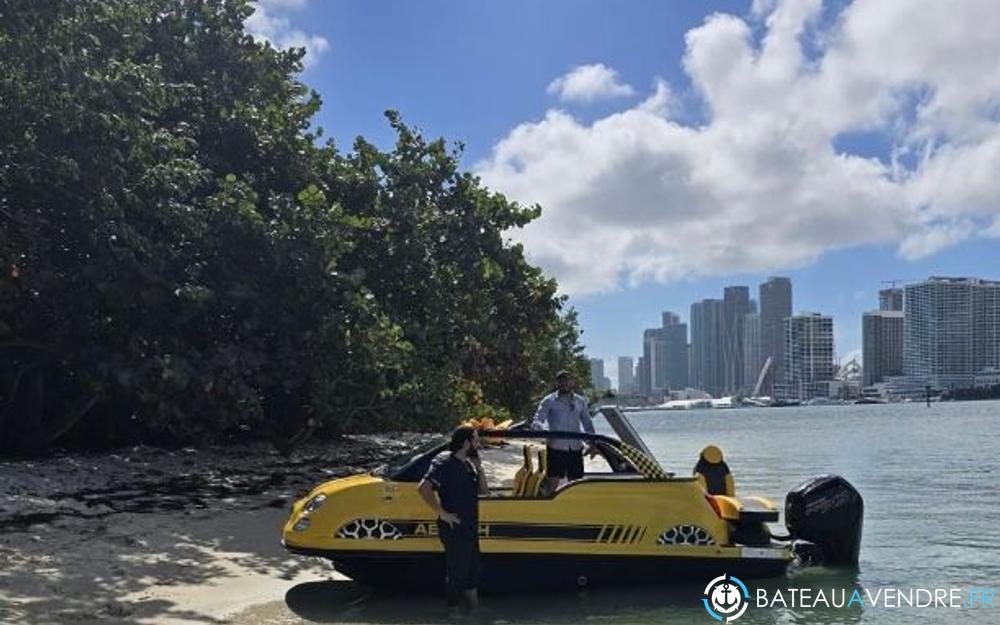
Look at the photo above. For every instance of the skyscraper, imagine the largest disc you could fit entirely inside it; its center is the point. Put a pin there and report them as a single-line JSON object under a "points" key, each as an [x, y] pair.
{"points": [[882, 345], [751, 350], [642, 377], [808, 355], [890, 299], [665, 352], [598, 381], [735, 304], [654, 354], [707, 370], [675, 340], [775, 299], [626, 377], [951, 330]]}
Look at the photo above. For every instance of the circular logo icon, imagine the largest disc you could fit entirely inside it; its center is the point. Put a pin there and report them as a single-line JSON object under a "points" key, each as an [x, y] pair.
{"points": [[726, 598]]}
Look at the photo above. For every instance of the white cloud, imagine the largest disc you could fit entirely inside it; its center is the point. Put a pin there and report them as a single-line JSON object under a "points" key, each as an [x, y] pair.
{"points": [[586, 83], [760, 186], [268, 23], [662, 101], [934, 238]]}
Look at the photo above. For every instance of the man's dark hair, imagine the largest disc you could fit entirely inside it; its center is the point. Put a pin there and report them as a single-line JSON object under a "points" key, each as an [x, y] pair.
{"points": [[563, 374], [460, 436]]}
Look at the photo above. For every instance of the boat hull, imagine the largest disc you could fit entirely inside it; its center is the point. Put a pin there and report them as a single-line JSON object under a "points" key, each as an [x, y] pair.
{"points": [[530, 572]]}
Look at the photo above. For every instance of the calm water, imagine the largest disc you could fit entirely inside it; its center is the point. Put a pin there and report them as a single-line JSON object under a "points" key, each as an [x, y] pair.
{"points": [[929, 477]]}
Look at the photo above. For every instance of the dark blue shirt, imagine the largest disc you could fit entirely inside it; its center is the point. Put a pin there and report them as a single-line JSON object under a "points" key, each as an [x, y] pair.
{"points": [[457, 484], [564, 413]]}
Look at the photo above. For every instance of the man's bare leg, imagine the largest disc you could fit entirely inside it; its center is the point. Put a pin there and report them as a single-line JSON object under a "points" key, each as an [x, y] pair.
{"points": [[471, 598]]}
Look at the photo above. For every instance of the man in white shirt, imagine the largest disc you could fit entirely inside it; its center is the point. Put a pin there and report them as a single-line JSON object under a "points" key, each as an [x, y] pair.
{"points": [[563, 411]]}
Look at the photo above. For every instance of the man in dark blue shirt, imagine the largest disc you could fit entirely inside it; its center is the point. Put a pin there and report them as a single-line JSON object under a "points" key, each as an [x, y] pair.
{"points": [[458, 479]]}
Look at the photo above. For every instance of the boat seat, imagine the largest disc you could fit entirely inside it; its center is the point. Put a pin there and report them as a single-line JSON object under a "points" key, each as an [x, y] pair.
{"points": [[713, 472], [523, 474], [746, 510], [535, 481]]}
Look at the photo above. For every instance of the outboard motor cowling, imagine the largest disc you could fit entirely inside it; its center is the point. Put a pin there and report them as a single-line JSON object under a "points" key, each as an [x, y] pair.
{"points": [[828, 512]]}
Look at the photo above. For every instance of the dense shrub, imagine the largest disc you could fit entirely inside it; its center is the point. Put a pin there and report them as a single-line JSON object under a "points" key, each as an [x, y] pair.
{"points": [[182, 259]]}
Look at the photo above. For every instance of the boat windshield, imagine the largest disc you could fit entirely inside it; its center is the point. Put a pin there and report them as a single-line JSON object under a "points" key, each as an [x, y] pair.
{"points": [[623, 428], [405, 464], [412, 466]]}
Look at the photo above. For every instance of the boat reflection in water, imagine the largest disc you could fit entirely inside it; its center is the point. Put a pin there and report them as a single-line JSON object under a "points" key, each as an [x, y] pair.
{"points": [[346, 602]]}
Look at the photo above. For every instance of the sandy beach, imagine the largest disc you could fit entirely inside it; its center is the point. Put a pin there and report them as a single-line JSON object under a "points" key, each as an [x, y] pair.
{"points": [[151, 536]]}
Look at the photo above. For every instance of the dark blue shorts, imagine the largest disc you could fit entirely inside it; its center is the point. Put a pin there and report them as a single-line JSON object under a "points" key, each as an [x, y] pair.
{"points": [[461, 559], [567, 464]]}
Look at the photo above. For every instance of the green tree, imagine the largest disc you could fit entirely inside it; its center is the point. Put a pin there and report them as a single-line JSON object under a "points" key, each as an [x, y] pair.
{"points": [[468, 302], [181, 257], [165, 255]]}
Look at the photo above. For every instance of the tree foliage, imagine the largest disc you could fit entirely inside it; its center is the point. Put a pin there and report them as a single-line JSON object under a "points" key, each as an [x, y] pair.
{"points": [[182, 259]]}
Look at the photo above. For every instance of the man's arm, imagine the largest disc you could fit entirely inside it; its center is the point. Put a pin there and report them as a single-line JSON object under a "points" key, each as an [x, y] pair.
{"points": [[585, 419], [426, 490], [588, 426], [542, 414]]}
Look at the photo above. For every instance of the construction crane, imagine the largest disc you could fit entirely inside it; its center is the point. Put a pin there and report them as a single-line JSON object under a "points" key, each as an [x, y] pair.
{"points": [[760, 378]]}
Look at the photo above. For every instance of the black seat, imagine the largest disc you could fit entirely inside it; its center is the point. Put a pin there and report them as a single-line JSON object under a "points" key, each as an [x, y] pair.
{"points": [[713, 472]]}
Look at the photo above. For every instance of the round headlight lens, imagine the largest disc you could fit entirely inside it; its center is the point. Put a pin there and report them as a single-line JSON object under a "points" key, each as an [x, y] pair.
{"points": [[315, 503]]}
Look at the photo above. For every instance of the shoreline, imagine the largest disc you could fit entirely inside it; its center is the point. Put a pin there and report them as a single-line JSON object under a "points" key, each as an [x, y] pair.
{"points": [[145, 535]]}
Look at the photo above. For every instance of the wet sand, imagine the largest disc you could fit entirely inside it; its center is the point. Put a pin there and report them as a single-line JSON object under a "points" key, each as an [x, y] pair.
{"points": [[136, 568], [148, 536], [151, 536]]}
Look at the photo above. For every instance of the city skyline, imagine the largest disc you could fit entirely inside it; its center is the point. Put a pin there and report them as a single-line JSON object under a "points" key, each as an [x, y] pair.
{"points": [[735, 345], [870, 199], [881, 336]]}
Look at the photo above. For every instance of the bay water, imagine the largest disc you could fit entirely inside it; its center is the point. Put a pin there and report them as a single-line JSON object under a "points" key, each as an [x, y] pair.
{"points": [[930, 478]]}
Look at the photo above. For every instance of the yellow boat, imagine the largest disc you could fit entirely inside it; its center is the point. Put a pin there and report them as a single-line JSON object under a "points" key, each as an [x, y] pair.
{"points": [[630, 523]]}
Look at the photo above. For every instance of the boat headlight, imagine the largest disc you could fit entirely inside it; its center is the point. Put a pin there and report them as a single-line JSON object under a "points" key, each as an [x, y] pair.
{"points": [[315, 504], [301, 525]]}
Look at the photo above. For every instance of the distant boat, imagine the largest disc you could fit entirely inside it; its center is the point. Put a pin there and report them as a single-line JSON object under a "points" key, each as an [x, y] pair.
{"points": [[642, 408], [687, 404], [674, 404], [783, 403], [868, 400], [823, 401], [724, 402]]}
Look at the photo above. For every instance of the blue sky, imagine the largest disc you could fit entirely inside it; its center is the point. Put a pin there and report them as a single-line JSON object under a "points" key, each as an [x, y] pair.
{"points": [[691, 145], [471, 71]]}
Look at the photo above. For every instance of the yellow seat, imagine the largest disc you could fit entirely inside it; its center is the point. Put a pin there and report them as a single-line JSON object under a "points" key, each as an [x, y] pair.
{"points": [[534, 486], [713, 472], [523, 474], [756, 509]]}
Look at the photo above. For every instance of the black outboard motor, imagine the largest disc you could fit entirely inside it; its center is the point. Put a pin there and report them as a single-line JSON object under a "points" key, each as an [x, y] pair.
{"points": [[828, 512]]}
